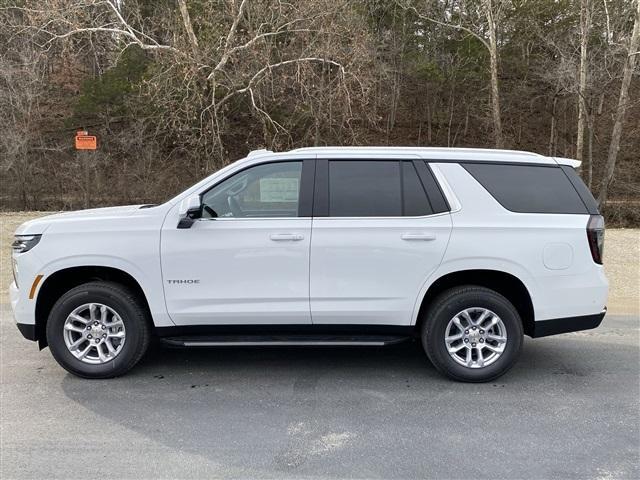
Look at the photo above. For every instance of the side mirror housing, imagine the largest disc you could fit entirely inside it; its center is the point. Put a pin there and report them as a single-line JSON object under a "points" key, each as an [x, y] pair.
{"points": [[190, 208]]}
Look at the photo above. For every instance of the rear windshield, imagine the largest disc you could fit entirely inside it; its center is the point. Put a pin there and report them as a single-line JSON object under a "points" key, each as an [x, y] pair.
{"points": [[532, 188]]}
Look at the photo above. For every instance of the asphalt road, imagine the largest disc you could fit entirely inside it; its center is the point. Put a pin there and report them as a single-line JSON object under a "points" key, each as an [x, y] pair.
{"points": [[569, 409]]}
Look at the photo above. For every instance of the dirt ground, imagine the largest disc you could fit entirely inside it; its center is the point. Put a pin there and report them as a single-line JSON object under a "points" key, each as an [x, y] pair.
{"points": [[621, 261]]}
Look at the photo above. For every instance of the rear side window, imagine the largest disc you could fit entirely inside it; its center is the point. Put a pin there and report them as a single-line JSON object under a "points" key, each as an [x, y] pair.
{"points": [[364, 189], [414, 201], [376, 189], [529, 189]]}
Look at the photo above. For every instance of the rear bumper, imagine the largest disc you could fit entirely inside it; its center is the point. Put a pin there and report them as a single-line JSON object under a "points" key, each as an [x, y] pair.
{"points": [[554, 326]]}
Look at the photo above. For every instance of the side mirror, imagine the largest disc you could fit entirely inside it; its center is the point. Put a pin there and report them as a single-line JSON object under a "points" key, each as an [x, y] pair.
{"points": [[190, 208]]}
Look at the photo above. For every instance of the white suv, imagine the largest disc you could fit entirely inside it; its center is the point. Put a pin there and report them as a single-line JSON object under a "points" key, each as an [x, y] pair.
{"points": [[464, 249]]}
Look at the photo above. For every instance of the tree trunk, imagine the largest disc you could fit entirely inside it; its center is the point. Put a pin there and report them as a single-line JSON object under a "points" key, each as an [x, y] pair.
{"points": [[492, 47], [614, 146], [495, 92], [589, 161], [187, 25], [552, 133], [585, 25], [429, 124]]}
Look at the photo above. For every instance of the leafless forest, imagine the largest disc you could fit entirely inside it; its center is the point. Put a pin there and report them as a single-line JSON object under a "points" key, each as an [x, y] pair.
{"points": [[175, 89]]}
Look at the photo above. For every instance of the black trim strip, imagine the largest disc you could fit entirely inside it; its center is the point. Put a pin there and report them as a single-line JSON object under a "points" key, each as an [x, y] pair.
{"points": [[28, 331], [492, 162], [402, 191], [321, 197], [554, 326], [305, 202], [284, 329]]}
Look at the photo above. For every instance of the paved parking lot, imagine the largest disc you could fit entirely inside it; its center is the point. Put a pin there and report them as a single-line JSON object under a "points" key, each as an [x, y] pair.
{"points": [[569, 409]]}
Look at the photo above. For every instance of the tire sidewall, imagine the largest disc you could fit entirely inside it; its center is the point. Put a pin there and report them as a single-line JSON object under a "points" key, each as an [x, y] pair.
{"points": [[434, 334], [93, 294]]}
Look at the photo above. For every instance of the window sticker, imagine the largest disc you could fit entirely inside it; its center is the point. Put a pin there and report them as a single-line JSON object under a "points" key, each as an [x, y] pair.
{"points": [[282, 190]]}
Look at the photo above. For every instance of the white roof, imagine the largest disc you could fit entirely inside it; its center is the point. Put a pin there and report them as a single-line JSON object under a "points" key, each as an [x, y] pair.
{"points": [[430, 153]]}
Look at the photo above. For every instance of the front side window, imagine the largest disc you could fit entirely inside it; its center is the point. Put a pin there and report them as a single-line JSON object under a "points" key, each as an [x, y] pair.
{"points": [[269, 190]]}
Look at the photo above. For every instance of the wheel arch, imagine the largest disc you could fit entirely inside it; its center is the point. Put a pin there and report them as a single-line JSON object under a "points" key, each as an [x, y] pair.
{"points": [[63, 280], [506, 284]]}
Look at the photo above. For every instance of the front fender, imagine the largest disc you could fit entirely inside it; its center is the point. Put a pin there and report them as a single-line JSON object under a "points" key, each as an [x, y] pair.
{"points": [[149, 281]]}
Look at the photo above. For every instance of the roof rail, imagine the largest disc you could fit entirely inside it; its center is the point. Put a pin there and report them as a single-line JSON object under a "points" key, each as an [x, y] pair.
{"points": [[423, 149]]}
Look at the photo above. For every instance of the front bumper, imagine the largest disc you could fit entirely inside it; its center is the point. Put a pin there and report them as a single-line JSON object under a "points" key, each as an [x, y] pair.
{"points": [[554, 326], [23, 313], [28, 331]]}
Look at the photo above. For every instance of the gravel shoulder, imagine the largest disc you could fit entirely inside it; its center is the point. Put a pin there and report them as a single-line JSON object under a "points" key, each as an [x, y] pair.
{"points": [[621, 260]]}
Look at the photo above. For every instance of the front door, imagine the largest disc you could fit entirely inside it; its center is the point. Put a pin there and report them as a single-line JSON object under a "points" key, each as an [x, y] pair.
{"points": [[246, 261]]}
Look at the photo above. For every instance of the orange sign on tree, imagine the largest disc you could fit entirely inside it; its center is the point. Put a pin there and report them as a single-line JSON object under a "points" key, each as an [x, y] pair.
{"points": [[84, 141]]}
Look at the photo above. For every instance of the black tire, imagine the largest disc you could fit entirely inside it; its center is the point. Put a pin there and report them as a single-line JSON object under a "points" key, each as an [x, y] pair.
{"points": [[129, 307], [449, 304]]}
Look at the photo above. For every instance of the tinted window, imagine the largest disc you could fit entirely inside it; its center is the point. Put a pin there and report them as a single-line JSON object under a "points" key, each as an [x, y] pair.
{"points": [[582, 189], [269, 190], [528, 189], [438, 202], [415, 201], [364, 189]]}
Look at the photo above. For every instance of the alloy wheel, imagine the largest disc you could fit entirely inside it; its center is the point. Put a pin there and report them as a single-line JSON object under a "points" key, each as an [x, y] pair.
{"points": [[475, 337], [94, 333]]}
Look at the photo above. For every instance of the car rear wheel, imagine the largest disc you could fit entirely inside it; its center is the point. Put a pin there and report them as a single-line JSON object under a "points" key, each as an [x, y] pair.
{"points": [[98, 330], [472, 334]]}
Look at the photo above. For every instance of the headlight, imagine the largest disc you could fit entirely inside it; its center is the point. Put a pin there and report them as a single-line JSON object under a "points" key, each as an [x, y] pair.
{"points": [[24, 243]]}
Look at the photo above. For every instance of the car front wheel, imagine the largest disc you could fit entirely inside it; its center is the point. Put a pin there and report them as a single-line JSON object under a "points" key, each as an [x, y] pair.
{"points": [[98, 330]]}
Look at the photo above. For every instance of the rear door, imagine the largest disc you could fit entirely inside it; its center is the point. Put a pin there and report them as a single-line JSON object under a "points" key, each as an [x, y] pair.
{"points": [[380, 228]]}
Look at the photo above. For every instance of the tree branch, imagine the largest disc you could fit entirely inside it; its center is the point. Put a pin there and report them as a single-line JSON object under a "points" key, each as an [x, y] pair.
{"points": [[444, 24], [255, 79], [230, 36]]}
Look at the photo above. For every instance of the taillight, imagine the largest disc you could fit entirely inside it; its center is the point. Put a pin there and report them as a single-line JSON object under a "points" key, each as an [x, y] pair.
{"points": [[595, 235]]}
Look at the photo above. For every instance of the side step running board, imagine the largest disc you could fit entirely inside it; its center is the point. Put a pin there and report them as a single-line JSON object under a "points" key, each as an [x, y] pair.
{"points": [[284, 340]]}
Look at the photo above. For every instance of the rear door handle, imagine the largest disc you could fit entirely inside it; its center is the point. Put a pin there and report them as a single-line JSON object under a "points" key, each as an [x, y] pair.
{"points": [[284, 237], [418, 236]]}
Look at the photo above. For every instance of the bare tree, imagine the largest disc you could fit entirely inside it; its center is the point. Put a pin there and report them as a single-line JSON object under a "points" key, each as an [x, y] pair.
{"points": [[175, 89], [491, 10], [585, 27], [628, 69], [21, 89], [490, 13], [186, 19], [215, 74]]}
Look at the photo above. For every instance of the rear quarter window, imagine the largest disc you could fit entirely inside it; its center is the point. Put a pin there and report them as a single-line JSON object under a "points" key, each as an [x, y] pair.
{"points": [[529, 188]]}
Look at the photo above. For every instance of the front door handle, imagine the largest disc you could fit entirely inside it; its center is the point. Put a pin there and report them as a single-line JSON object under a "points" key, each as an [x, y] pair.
{"points": [[284, 237], [418, 236]]}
